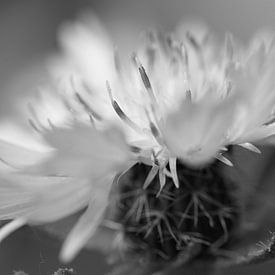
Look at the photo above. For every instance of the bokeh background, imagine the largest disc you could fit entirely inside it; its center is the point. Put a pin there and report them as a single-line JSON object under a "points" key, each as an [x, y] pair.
{"points": [[28, 31]]}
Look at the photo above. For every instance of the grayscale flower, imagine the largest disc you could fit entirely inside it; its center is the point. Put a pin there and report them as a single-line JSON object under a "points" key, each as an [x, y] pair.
{"points": [[141, 145]]}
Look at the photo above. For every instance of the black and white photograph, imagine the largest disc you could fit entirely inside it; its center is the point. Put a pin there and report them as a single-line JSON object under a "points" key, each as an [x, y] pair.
{"points": [[137, 137]]}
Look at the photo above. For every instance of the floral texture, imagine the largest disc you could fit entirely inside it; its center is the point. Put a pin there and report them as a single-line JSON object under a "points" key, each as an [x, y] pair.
{"points": [[152, 130]]}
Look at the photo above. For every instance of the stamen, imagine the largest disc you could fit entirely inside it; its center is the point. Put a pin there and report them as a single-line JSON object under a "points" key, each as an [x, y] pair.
{"points": [[117, 62], [184, 55], [193, 41], [50, 123], [185, 61], [151, 35], [87, 107], [135, 149], [68, 106], [34, 115], [228, 88], [270, 121], [154, 130], [229, 49], [170, 41], [7, 163], [32, 124], [145, 79], [175, 66], [120, 112], [188, 96], [156, 134]]}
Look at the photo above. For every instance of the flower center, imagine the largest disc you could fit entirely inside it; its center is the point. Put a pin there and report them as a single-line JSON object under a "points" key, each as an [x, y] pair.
{"points": [[194, 219]]}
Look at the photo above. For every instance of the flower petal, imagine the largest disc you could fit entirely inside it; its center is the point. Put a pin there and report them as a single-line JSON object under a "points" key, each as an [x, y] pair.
{"points": [[88, 223], [17, 157], [84, 152], [197, 131], [10, 227], [41, 199]]}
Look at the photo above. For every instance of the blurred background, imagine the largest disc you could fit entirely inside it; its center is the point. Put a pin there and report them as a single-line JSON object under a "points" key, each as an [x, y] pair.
{"points": [[28, 34]]}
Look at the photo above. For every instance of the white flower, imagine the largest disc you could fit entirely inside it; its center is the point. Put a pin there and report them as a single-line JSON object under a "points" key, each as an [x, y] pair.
{"points": [[179, 99], [62, 181]]}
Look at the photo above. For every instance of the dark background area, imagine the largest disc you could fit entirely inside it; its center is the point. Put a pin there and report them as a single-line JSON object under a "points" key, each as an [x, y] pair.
{"points": [[28, 34]]}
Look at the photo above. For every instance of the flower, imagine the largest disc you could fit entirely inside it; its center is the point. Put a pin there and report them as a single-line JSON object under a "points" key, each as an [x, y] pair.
{"points": [[150, 96], [155, 125]]}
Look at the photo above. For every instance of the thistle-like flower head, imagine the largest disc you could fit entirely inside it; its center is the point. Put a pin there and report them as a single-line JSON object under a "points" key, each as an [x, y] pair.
{"points": [[156, 125]]}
